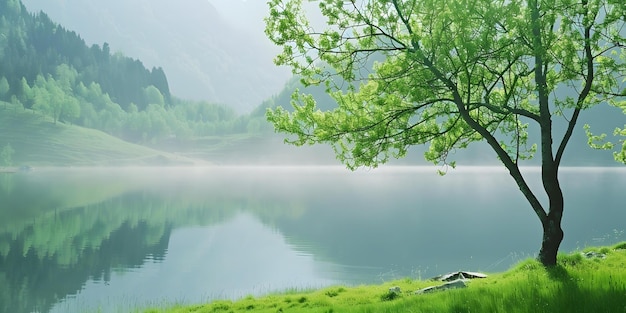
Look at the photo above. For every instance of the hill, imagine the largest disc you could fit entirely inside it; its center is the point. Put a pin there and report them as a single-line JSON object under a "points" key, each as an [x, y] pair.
{"points": [[50, 69], [207, 53], [37, 141], [249, 149], [34, 48]]}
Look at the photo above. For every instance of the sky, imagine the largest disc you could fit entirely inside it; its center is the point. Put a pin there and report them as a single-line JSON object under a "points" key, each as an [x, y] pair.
{"points": [[241, 13], [249, 14]]}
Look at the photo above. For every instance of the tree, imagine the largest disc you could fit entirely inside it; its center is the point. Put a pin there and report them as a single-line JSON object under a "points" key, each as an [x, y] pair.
{"points": [[66, 77], [450, 73], [4, 88], [56, 99], [153, 96], [70, 110], [6, 155], [26, 95], [41, 96]]}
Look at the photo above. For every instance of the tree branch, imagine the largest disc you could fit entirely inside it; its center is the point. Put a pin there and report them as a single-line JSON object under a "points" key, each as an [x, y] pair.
{"points": [[509, 110], [581, 97]]}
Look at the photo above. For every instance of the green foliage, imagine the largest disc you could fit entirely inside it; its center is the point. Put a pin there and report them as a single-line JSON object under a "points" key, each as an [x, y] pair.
{"points": [[6, 155], [335, 292], [570, 259], [63, 99], [54, 97], [620, 155], [600, 142], [4, 88], [26, 95], [389, 296], [451, 74], [154, 96]]}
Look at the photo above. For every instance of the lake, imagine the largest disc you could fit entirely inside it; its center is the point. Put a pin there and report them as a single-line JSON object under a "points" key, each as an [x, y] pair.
{"points": [[109, 240]]}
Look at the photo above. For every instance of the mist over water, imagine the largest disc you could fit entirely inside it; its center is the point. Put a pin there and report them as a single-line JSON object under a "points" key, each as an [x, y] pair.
{"points": [[111, 239]]}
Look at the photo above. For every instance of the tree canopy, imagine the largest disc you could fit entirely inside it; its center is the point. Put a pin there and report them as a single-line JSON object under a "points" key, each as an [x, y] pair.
{"points": [[450, 73]]}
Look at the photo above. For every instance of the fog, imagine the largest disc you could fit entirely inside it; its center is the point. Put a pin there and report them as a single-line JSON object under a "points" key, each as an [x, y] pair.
{"points": [[210, 50], [96, 238]]}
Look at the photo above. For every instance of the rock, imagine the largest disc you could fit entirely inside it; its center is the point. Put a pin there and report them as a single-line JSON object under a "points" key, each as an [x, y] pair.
{"points": [[592, 255], [454, 280], [458, 283], [459, 275], [395, 289], [25, 168]]}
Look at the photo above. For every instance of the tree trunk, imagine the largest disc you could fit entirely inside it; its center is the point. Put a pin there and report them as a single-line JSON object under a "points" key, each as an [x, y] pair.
{"points": [[552, 231], [552, 237]]}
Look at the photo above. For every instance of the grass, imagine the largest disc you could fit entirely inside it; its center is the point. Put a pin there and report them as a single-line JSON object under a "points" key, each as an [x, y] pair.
{"points": [[218, 147], [576, 284], [249, 149], [37, 141]]}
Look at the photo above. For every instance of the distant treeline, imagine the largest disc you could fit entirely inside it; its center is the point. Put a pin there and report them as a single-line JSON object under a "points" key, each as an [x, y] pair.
{"points": [[33, 45], [49, 69]]}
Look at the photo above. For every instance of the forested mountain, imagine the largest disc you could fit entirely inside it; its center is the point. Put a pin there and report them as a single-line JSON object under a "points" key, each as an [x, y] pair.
{"points": [[51, 70], [220, 56], [33, 45]]}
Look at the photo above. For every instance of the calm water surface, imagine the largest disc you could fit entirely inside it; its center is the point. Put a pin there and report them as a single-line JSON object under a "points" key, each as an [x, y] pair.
{"points": [[110, 240]]}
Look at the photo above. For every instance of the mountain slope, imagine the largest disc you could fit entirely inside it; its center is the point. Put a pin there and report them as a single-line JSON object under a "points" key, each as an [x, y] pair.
{"points": [[204, 56], [38, 141]]}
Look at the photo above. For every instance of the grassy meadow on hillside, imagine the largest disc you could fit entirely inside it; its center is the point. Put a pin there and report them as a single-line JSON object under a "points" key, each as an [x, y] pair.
{"points": [[38, 141]]}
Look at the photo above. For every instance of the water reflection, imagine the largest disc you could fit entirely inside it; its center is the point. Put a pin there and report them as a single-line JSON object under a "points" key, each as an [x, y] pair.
{"points": [[201, 264], [109, 240]]}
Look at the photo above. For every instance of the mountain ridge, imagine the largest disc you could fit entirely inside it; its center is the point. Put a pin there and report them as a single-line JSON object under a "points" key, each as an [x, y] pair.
{"points": [[204, 56]]}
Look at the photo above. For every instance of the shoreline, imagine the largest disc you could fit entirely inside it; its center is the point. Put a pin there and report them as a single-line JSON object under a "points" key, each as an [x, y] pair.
{"points": [[587, 280], [8, 170]]}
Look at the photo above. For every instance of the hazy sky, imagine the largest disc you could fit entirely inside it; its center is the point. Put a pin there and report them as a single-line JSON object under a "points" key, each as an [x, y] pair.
{"points": [[242, 13], [249, 14]]}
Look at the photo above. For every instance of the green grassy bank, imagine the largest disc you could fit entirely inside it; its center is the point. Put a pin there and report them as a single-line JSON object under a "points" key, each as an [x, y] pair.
{"points": [[577, 284], [37, 141]]}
